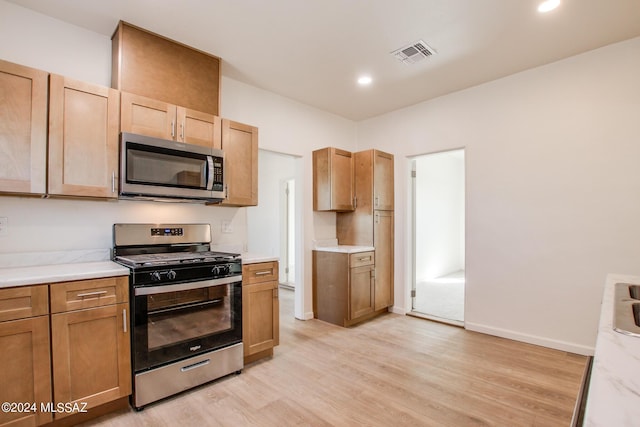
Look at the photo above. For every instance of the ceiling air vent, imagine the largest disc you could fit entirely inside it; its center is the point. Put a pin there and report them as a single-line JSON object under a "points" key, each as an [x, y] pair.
{"points": [[413, 52]]}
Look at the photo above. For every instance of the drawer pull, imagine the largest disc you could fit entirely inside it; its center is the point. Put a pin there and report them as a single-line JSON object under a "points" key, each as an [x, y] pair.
{"points": [[91, 294], [124, 320], [364, 258], [262, 273]]}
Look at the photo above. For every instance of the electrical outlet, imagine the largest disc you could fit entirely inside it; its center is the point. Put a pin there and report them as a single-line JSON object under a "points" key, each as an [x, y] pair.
{"points": [[4, 224], [227, 227]]}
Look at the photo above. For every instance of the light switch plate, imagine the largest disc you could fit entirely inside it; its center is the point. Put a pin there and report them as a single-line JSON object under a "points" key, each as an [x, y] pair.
{"points": [[4, 224], [227, 227]]}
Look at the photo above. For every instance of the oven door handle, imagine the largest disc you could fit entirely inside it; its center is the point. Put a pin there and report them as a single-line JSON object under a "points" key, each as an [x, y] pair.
{"points": [[151, 290]]}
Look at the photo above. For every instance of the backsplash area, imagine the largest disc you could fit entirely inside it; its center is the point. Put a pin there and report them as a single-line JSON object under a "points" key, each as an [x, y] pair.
{"points": [[54, 231]]}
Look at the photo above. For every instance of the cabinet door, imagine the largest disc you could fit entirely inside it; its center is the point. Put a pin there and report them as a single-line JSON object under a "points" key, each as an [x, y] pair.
{"points": [[195, 127], [91, 355], [332, 180], [83, 139], [260, 317], [383, 181], [25, 369], [23, 129], [240, 146], [361, 288], [146, 116], [383, 242]]}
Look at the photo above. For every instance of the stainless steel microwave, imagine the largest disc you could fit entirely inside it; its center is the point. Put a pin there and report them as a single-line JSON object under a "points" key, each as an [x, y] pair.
{"points": [[159, 169]]}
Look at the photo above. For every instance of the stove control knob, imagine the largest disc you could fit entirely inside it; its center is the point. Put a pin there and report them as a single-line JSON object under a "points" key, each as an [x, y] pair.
{"points": [[224, 269], [215, 271], [155, 276], [171, 274]]}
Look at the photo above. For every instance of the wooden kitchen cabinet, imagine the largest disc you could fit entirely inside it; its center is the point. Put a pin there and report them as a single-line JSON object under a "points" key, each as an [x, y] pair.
{"points": [[153, 66], [372, 221], [344, 286], [260, 310], [23, 129], [25, 364], [159, 119], [91, 350], [83, 139], [240, 146], [333, 188]]}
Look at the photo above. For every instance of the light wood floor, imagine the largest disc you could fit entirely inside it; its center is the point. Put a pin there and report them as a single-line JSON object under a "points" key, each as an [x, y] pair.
{"points": [[392, 371]]}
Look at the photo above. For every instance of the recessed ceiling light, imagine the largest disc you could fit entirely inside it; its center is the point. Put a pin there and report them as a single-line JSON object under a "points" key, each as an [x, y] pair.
{"points": [[548, 5], [364, 80]]}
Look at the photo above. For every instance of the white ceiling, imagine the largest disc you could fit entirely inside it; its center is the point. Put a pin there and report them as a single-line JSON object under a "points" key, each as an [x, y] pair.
{"points": [[313, 50]]}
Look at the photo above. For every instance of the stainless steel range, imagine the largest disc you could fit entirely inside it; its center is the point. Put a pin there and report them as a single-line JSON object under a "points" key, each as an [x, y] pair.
{"points": [[186, 305]]}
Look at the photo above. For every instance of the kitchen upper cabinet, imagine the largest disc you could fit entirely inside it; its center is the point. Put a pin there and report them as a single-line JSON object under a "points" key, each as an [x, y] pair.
{"points": [[25, 364], [159, 119], [23, 129], [240, 146], [260, 310], [91, 348], [83, 139], [382, 177], [344, 286], [332, 180], [153, 66]]}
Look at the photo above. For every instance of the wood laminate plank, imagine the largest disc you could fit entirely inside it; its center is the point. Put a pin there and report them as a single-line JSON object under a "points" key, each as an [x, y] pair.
{"points": [[392, 370]]}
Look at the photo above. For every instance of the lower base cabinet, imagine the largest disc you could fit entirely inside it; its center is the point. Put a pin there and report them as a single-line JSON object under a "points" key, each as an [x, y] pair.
{"points": [[65, 350], [344, 287], [260, 310], [91, 350]]}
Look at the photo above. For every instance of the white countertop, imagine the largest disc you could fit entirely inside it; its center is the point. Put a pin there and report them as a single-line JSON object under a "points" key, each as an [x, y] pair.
{"points": [[33, 275], [614, 389], [253, 258], [347, 249]]}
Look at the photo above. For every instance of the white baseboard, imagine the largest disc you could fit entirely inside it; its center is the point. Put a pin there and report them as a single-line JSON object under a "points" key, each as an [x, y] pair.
{"points": [[397, 310], [531, 339]]}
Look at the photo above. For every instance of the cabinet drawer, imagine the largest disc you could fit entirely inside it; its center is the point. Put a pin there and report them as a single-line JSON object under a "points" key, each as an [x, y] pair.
{"points": [[260, 272], [361, 258], [70, 296], [23, 302]]}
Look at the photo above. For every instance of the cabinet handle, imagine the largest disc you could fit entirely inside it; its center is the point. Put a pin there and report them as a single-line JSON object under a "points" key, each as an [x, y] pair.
{"points": [[262, 273], [173, 129], [275, 293], [226, 191], [113, 181], [182, 131], [377, 201], [377, 218], [364, 258], [124, 320], [91, 294]]}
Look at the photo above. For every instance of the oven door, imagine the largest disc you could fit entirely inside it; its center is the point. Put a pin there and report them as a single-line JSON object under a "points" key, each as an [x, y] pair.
{"points": [[176, 321], [158, 168]]}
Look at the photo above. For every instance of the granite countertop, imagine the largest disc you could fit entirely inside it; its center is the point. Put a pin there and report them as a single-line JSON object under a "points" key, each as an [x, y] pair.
{"points": [[347, 249], [614, 389], [38, 274]]}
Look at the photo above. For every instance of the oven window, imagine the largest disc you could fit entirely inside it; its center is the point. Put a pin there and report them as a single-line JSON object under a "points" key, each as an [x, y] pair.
{"points": [[175, 317], [164, 168]]}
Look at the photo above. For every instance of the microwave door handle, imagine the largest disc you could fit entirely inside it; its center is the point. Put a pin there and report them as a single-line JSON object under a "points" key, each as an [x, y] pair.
{"points": [[210, 173]]}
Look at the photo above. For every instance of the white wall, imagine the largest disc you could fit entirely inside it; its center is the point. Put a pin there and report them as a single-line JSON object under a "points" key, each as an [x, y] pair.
{"points": [[285, 126], [439, 215], [552, 185]]}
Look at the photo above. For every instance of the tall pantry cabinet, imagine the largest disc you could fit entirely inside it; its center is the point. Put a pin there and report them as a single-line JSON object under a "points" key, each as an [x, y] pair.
{"points": [[372, 221]]}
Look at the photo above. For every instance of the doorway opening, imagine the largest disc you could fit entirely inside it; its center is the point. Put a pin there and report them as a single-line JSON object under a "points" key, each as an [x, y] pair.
{"points": [[438, 208], [274, 225]]}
